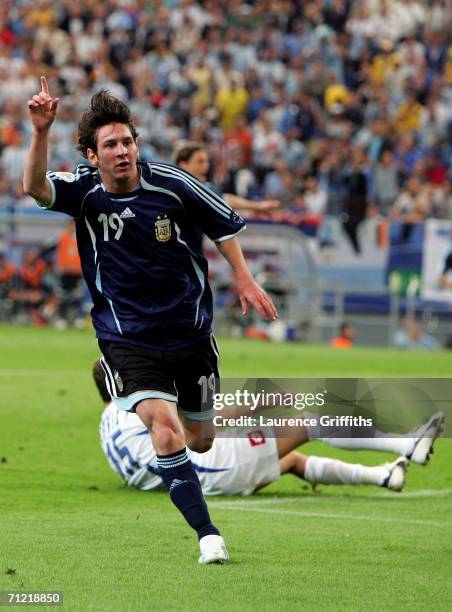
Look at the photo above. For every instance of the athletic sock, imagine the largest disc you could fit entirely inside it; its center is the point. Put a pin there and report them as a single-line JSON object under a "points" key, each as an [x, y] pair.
{"points": [[383, 442], [179, 476], [320, 470]]}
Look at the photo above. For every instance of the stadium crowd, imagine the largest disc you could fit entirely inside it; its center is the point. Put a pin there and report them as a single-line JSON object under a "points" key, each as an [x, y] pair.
{"points": [[337, 108], [46, 287]]}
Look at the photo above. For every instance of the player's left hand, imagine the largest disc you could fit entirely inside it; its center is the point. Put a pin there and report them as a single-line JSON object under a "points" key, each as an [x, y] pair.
{"points": [[252, 293], [265, 208], [42, 108], [268, 205]]}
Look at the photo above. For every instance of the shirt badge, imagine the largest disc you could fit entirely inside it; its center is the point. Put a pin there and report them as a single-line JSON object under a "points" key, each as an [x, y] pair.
{"points": [[118, 381], [163, 228]]}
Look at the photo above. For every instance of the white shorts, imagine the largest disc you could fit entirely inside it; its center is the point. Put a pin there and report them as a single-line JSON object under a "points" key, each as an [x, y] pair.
{"points": [[238, 466]]}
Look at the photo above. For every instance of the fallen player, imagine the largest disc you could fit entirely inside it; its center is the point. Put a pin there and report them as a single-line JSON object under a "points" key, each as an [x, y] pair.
{"points": [[242, 465]]}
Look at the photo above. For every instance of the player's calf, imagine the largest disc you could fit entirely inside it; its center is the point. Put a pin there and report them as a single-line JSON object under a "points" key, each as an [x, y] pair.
{"points": [[179, 476]]}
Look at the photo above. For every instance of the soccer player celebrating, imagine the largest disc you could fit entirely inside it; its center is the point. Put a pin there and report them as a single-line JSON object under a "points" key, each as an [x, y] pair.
{"points": [[139, 234]]}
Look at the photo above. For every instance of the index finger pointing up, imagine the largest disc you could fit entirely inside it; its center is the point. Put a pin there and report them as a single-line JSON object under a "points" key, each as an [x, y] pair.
{"points": [[44, 86]]}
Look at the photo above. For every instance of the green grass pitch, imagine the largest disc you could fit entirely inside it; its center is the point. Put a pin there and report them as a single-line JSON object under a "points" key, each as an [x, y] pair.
{"points": [[68, 524]]}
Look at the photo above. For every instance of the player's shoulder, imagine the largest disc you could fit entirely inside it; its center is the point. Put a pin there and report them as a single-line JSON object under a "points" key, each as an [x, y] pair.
{"points": [[82, 174]]}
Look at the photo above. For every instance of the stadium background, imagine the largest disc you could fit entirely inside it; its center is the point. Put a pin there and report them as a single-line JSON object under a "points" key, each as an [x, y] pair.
{"points": [[341, 110]]}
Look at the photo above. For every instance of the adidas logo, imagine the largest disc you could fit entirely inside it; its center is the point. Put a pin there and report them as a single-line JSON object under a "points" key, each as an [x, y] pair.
{"points": [[175, 483], [126, 214]]}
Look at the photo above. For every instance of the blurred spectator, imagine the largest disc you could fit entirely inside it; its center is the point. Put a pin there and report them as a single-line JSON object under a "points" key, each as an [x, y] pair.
{"points": [[12, 159], [240, 137], [7, 273], [28, 293], [231, 102], [413, 203], [315, 197], [435, 170], [268, 145], [356, 200], [335, 92], [445, 279], [407, 117], [345, 337], [410, 335], [67, 260], [406, 153], [32, 270], [256, 103], [200, 74], [386, 182], [274, 180]]}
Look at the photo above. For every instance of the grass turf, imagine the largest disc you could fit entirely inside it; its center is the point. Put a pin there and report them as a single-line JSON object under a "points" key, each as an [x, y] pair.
{"points": [[68, 524]]}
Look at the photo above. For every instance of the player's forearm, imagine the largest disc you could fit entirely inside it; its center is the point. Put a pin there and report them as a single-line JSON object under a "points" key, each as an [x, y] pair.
{"points": [[239, 203], [261, 206], [232, 252], [34, 179]]}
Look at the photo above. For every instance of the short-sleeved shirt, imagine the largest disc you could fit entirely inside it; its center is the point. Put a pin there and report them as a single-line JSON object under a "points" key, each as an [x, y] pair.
{"points": [[141, 252]]}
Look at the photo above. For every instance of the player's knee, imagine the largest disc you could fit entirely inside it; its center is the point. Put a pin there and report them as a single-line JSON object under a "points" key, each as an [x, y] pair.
{"points": [[167, 438], [166, 429], [200, 445], [155, 416]]}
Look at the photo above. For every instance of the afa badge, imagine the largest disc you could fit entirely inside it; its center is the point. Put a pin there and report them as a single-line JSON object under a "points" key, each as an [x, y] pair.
{"points": [[118, 381], [163, 228]]}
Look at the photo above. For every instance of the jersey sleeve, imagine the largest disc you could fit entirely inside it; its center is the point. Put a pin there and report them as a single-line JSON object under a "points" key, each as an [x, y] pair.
{"points": [[210, 212], [69, 190]]}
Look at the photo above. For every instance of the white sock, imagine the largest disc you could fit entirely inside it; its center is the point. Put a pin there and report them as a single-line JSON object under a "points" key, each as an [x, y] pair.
{"points": [[385, 443], [320, 470]]}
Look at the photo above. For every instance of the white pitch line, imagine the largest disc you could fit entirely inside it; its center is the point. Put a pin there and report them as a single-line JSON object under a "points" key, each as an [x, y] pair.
{"points": [[315, 498], [32, 373], [414, 494], [326, 515]]}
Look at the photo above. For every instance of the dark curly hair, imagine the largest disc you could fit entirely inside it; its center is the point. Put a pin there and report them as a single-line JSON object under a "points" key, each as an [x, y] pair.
{"points": [[185, 152], [99, 379], [103, 109]]}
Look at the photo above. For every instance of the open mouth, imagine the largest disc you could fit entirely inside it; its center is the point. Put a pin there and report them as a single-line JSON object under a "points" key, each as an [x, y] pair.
{"points": [[122, 165]]}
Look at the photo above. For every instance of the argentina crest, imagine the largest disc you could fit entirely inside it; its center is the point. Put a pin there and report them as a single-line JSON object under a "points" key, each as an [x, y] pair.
{"points": [[163, 228]]}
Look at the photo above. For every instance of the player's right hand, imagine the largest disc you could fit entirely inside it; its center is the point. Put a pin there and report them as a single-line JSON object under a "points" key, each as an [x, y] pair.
{"points": [[42, 108], [251, 293]]}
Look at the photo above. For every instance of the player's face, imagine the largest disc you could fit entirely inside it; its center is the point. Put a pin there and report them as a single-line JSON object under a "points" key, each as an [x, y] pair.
{"points": [[116, 157], [198, 165]]}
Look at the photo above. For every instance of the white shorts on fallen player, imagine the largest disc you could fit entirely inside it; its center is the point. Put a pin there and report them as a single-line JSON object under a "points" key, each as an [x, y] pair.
{"points": [[248, 463]]}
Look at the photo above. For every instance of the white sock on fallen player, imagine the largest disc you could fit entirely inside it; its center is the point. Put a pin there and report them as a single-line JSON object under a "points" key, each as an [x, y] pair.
{"points": [[385, 443], [321, 470]]}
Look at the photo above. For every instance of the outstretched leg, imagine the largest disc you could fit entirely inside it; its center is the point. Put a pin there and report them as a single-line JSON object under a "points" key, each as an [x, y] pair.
{"points": [[416, 445], [322, 470]]}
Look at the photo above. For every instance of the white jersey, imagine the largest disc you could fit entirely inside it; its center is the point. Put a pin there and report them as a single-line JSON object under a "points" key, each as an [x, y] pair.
{"points": [[233, 466]]}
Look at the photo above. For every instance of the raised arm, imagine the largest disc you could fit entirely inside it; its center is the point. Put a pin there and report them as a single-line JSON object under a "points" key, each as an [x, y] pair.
{"points": [[249, 291], [42, 111]]}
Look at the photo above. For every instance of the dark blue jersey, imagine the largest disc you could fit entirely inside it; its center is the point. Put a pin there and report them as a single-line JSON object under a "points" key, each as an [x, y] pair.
{"points": [[141, 252]]}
